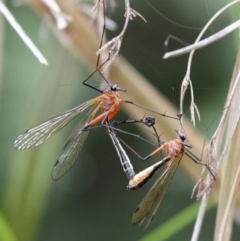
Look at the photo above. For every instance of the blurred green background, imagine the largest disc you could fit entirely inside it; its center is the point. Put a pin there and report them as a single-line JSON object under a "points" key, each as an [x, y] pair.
{"points": [[91, 201]]}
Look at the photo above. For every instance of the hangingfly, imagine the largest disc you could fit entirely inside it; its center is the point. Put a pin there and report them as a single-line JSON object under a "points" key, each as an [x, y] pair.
{"points": [[109, 102], [174, 152], [124, 159]]}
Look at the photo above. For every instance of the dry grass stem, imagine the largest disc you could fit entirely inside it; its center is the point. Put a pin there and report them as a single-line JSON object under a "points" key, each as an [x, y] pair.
{"points": [[192, 48], [205, 42], [187, 80], [17, 27], [114, 45], [230, 173], [213, 149], [61, 18], [198, 222]]}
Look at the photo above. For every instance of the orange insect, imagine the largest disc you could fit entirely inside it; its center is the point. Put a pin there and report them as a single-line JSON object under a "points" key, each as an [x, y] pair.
{"points": [[174, 152], [109, 102]]}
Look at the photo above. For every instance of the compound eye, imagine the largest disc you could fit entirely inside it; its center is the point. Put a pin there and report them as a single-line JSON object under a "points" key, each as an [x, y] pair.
{"points": [[114, 87], [182, 137], [150, 121]]}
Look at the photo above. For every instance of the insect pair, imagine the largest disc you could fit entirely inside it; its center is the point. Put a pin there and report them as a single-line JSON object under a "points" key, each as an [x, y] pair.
{"points": [[109, 102], [174, 152]]}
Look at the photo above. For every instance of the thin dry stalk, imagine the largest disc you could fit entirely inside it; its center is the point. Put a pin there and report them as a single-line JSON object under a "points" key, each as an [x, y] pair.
{"points": [[198, 44], [114, 45], [229, 158], [17, 27]]}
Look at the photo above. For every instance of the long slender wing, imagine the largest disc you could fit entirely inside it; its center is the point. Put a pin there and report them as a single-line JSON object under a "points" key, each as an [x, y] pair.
{"points": [[40, 133], [124, 159], [156, 193], [73, 146]]}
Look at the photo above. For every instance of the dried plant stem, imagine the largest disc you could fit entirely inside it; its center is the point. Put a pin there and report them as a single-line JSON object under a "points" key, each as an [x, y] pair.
{"points": [[221, 233], [205, 42], [114, 45], [187, 79], [198, 222], [226, 220], [229, 159], [17, 27]]}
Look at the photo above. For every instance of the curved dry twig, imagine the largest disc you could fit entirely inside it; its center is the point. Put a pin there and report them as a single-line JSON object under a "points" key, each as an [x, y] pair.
{"points": [[187, 81], [114, 45]]}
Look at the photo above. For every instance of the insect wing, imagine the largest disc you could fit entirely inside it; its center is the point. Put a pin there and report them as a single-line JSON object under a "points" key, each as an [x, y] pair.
{"points": [[40, 133], [124, 159], [156, 193], [73, 147], [168, 180]]}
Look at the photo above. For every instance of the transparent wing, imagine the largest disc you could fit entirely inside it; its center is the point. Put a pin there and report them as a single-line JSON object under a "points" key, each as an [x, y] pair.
{"points": [[40, 133], [156, 193], [124, 159], [73, 146]]}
